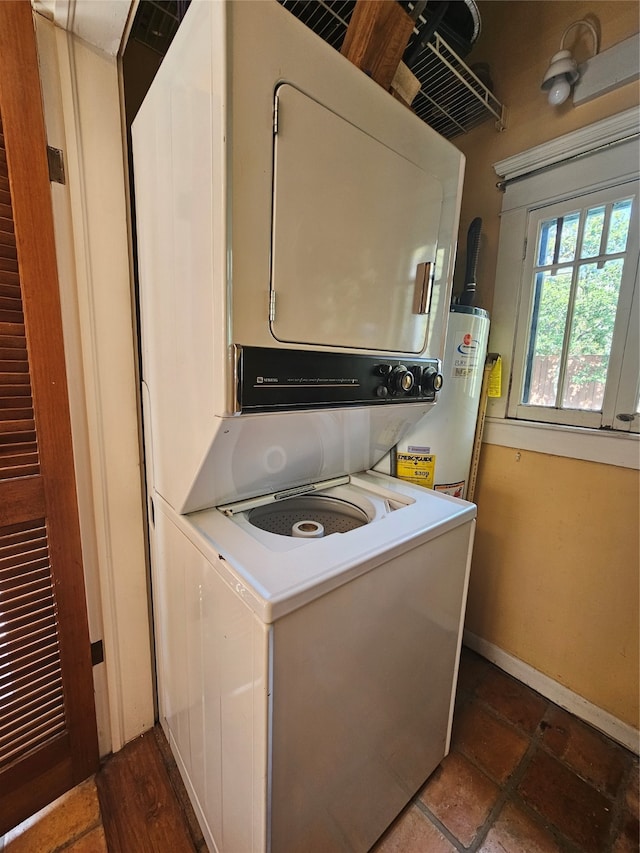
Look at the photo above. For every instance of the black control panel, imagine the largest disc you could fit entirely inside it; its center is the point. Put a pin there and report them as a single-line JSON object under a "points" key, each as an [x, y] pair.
{"points": [[271, 379]]}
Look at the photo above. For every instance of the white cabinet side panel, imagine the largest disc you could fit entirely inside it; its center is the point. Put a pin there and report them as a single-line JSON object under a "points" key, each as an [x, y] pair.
{"points": [[168, 584], [179, 148], [213, 686]]}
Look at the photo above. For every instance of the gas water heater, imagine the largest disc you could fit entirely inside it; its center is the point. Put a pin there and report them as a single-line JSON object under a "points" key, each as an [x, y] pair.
{"points": [[437, 452]]}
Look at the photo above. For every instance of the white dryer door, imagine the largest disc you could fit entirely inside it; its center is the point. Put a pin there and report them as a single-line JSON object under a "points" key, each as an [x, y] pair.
{"points": [[355, 228]]}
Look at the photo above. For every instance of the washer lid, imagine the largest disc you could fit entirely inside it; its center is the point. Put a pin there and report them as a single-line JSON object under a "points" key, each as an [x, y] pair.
{"points": [[264, 454]]}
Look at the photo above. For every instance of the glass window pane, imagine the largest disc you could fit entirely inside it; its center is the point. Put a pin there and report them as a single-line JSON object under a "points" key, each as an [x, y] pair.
{"points": [[569, 237], [591, 335], [619, 226], [592, 232], [548, 320], [547, 244]]}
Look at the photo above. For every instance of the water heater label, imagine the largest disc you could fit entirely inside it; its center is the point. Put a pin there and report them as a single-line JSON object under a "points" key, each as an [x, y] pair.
{"points": [[465, 356], [454, 489], [417, 468]]}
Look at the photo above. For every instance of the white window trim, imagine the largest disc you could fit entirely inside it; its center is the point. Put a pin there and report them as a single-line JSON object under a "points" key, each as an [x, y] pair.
{"points": [[605, 132], [604, 446], [604, 152]]}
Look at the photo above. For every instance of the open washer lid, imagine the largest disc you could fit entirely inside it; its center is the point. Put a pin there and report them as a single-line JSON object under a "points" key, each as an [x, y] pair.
{"points": [[253, 455]]}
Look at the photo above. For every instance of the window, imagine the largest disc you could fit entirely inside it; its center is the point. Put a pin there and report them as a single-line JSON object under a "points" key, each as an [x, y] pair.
{"points": [[566, 309], [575, 330]]}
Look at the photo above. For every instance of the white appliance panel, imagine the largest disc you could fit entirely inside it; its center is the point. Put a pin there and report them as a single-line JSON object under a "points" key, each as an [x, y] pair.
{"points": [[203, 167], [256, 454], [279, 576], [352, 221], [212, 683], [227, 597], [269, 46], [341, 707], [362, 682], [181, 214]]}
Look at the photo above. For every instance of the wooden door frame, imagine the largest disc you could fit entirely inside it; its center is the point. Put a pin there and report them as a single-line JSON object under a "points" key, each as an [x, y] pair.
{"points": [[81, 88], [25, 143]]}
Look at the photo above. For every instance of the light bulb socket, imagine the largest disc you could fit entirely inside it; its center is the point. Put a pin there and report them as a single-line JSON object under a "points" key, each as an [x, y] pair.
{"points": [[562, 65]]}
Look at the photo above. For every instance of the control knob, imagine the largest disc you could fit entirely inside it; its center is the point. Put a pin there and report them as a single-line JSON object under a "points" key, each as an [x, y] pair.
{"points": [[400, 380], [430, 381]]}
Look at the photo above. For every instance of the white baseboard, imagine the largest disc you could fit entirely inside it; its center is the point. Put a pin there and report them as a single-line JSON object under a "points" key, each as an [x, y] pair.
{"points": [[600, 719]]}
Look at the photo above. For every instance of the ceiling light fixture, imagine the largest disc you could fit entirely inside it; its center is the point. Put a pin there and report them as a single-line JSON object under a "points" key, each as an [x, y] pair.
{"points": [[563, 72]]}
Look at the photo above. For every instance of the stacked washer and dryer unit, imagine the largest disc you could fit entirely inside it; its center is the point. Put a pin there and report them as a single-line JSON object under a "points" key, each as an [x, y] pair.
{"points": [[296, 230]]}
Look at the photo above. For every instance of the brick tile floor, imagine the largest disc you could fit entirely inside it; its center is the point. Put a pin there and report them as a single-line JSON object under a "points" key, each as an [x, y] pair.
{"points": [[523, 776]]}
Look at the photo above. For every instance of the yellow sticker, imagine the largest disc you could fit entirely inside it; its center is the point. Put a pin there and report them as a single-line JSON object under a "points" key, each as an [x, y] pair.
{"points": [[495, 379], [417, 468]]}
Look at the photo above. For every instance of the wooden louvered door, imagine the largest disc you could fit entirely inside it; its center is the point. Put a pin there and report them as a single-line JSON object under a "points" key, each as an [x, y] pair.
{"points": [[48, 740]]}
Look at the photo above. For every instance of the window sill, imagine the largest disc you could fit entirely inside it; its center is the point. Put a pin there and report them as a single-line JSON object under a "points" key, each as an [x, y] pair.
{"points": [[602, 446]]}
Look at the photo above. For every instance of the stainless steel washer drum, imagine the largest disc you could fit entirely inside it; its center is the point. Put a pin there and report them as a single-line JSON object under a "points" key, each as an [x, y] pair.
{"points": [[335, 516]]}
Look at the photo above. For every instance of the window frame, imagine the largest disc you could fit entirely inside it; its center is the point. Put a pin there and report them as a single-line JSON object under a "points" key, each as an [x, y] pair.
{"points": [[622, 349], [575, 164]]}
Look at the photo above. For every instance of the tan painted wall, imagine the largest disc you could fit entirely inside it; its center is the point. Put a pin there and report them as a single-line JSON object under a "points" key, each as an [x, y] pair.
{"points": [[555, 572]]}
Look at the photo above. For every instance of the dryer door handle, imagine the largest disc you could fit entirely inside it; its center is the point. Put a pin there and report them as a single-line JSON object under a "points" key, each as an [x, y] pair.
{"points": [[423, 288]]}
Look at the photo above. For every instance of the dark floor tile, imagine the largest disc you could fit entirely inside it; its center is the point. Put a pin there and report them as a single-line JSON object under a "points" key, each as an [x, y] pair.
{"points": [[460, 796], [579, 811], [495, 746], [628, 840], [592, 755], [632, 795], [473, 669], [413, 832], [513, 700], [515, 831]]}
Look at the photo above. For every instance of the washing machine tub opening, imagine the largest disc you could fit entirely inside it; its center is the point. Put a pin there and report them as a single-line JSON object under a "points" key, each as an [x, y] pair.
{"points": [[308, 516]]}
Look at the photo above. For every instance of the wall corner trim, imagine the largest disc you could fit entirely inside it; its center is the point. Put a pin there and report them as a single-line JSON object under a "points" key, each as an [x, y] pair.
{"points": [[98, 240]]}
